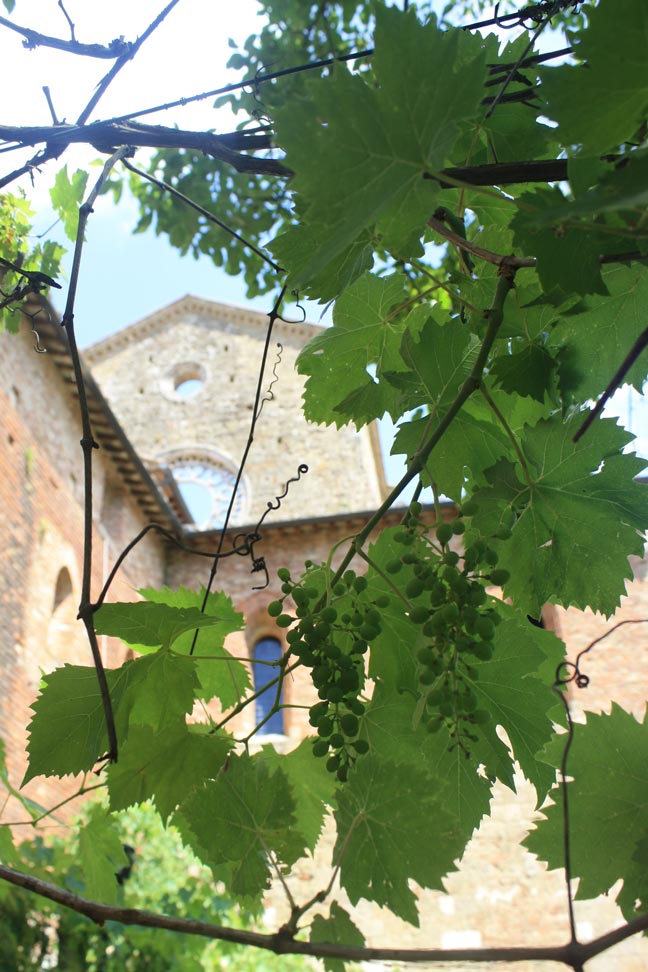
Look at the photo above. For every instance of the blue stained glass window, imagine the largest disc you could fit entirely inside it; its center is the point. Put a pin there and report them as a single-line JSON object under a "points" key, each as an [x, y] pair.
{"points": [[267, 650]]}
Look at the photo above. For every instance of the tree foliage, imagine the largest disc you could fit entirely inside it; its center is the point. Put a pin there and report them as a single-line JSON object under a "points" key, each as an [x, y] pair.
{"points": [[478, 215]]}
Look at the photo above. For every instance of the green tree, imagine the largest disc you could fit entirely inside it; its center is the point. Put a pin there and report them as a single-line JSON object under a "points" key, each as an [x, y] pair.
{"points": [[532, 178]]}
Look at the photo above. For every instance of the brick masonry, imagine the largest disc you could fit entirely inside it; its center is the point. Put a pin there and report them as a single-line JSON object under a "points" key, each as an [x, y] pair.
{"points": [[501, 895]]}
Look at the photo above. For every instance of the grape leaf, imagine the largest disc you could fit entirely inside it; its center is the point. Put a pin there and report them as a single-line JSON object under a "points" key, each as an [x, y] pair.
{"points": [[608, 797], [337, 929], [236, 819], [439, 362], [577, 516], [161, 690], [615, 79], [66, 195], [567, 256], [529, 371], [101, 856], [378, 141], [367, 330], [147, 626], [165, 765], [312, 786], [470, 445], [220, 676], [593, 339], [518, 697], [67, 733], [372, 814]]}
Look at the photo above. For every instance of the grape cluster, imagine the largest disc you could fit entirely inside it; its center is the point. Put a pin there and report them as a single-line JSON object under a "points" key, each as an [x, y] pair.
{"points": [[447, 596], [330, 638]]}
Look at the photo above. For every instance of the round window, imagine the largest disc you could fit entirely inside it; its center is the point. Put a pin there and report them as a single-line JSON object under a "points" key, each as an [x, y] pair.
{"points": [[206, 489]]}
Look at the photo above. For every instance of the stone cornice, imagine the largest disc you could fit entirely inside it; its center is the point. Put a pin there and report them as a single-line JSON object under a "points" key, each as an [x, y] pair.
{"points": [[196, 307]]}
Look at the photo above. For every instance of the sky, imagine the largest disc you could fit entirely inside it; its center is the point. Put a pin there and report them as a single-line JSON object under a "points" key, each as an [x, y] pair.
{"points": [[126, 277]]}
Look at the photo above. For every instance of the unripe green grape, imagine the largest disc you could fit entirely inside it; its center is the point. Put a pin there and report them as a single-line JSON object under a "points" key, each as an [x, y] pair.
{"points": [[284, 621], [339, 590], [434, 724], [483, 650], [361, 746], [317, 712], [426, 655], [503, 532], [311, 593], [373, 616], [286, 588], [476, 594], [451, 557], [357, 707], [393, 566], [356, 619], [360, 584], [369, 631], [415, 508], [491, 557], [458, 527], [414, 587], [320, 747], [349, 577], [359, 647], [349, 724], [332, 651], [275, 608], [484, 628], [333, 764], [427, 677], [346, 618], [342, 773], [382, 601], [349, 682], [334, 693], [336, 741], [321, 675], [283, 574], [444, 533], [325, 727], [419, 614], [499, 577], [328, 614]]}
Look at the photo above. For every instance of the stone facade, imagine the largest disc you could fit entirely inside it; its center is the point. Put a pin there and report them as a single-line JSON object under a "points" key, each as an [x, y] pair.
{"points": [[181, 383]]}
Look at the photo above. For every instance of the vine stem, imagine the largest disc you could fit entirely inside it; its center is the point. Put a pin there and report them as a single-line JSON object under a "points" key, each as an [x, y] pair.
{"points": [[470, 385], [87, 445], [509, 432], [572, 954]]}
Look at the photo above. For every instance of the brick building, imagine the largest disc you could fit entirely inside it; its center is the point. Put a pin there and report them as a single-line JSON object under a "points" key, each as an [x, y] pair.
{"points": [[171, 401]]}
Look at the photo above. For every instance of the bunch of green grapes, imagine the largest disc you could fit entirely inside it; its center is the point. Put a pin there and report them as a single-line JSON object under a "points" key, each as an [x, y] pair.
{"points": [[448, 599], [331, 640]]}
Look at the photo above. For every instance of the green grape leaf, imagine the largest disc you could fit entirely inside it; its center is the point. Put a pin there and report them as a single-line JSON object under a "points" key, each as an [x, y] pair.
{"points": [[147, 626], [608, 795], [439, 359], [220, 675], [577, 516], [515, 687], [101, 855], [593, 339], [162, 689], [236, 819], [313, 787], [337, 929], [378, 141], [9, 5], [67, 733], [165, 766], [528, 372], [471, 444], [567, 255], [373, 814], [615, 79], [367, 331], [66, 195]]}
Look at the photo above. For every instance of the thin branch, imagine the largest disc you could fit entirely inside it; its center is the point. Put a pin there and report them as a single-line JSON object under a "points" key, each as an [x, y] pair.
{"points": [[122, 61], [615, 382], [571, 954], [88, 444], [33, 38], [203, 212]]}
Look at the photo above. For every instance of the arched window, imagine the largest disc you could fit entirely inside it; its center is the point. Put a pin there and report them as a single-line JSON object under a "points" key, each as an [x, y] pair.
{"points": [[63, 588], [205, 483], [267, 650]]}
